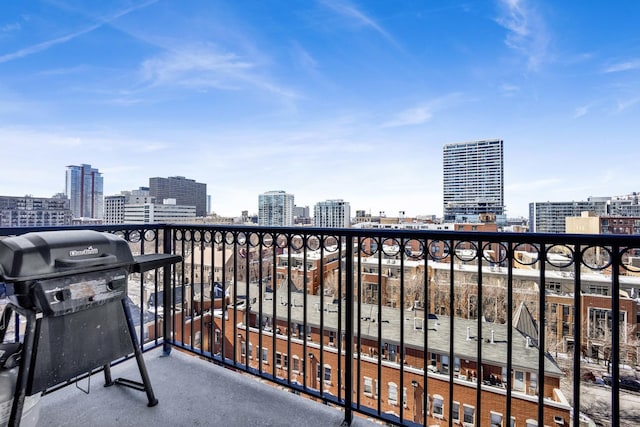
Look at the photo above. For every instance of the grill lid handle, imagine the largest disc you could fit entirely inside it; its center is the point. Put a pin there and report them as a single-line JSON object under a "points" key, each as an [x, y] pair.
{"points": [[86, 262]]}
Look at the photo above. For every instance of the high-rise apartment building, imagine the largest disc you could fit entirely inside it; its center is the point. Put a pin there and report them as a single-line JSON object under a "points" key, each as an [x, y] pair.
{"points": [[149, 213], [275, 208], [549, 217], [473, 179], [30, 211], [114, 206], [186, 192], [83, 187], [332, 213]]}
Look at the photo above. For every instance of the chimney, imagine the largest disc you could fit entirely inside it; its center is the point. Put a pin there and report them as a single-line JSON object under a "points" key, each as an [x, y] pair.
{"points": [[468, 333], [493, 341]]}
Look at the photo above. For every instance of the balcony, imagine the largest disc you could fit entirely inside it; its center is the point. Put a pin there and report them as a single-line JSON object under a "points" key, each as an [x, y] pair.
{"points": [[468, 329]]}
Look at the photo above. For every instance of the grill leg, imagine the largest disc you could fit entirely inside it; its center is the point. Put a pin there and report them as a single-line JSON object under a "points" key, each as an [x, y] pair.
{"points": [[23, 372], [146, 383], [108, 381]]}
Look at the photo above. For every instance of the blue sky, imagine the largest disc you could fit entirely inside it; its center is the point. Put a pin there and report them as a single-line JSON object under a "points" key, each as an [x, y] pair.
{"points": [[323, 99]]}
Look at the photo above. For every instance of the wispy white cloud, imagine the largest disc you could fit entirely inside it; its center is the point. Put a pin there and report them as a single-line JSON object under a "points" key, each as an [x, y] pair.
{"points": [[422, 113], [7, 28], [203, 66], [508, 89], [581, 111], [633, 64], [349, 11], [627, 103], [527, 33], [40, 47]]}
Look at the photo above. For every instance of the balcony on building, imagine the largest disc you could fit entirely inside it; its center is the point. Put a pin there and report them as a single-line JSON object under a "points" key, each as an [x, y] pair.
{"points": [[320, 326]]}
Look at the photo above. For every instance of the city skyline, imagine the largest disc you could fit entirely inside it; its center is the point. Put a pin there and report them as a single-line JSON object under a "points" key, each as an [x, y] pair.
{"points": [[325, 100]]}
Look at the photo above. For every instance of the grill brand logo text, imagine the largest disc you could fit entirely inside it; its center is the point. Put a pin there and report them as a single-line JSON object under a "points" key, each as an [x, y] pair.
{"points": [[88, 251]]}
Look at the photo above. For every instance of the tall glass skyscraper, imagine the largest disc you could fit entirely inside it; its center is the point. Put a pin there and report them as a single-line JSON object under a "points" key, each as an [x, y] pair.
{"points": [[83, 187], [275, 208], [473, 178]]}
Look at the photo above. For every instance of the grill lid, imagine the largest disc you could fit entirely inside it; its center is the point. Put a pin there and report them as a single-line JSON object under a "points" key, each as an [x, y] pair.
{"points": [[47, 254]]}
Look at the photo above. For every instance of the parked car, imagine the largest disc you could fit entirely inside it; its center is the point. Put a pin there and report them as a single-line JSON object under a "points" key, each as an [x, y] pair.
{"points": [[630, 383], [626, 383]]}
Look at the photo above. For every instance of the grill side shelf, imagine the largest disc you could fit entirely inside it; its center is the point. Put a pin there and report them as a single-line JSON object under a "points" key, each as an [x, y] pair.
{"points": [[142, 263]]}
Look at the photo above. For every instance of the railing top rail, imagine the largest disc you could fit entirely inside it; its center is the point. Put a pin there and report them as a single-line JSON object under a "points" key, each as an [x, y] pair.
{"points": [[503, 237]]}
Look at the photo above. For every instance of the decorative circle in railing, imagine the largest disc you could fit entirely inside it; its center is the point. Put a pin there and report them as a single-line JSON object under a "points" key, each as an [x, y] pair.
{"points": [[331, 243], [229, 238], [596, 257], [368, 245], [390, 247], [150, 235], [120, 234], [414, 249], [438, 250], [559, 256], [630, 259], [297, 242], [188, 236], [282, 241], [197, 236], [267, 240], [313, 243], [208, 236], [494, 252], [254, 239], [133, 236], [526, 253], [217, 237], [465, 251], [241, 238]]}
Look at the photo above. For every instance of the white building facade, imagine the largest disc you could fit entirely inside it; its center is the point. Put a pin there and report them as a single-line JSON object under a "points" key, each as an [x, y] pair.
{"points": [[275, 208], [332, 214], [473, 179]]}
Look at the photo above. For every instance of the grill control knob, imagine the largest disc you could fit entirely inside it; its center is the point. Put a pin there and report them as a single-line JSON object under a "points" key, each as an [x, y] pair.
{"points": [[59, 296]]}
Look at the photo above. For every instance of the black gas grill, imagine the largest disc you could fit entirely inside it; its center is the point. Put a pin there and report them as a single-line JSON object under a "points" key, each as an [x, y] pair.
{"points": [[72, 288]]}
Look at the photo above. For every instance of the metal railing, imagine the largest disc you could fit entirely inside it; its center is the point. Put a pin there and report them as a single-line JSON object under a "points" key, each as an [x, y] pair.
{"points": [[409, 327]]}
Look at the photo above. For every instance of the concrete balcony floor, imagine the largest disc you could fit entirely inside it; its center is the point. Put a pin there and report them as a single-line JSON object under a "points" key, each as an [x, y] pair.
{"points": [[191, 392]]}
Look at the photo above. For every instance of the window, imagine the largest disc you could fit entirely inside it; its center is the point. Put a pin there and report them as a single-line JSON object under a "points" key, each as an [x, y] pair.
{"points": [[265, 355], [243, 348], [438, 406], [375, 389], [518, 381], [296, 364], [456, 364], [250, 351], [216, 336], [197, 339], [332, 338], [444, 364], [278, 359], [368, 386], [434, 359], [393, 394], [533, 383], [531, 423], [469, 415], [327, 374], [285, 361], [496, 419], [404, 397], [456, 412]]}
